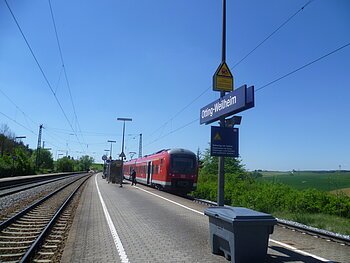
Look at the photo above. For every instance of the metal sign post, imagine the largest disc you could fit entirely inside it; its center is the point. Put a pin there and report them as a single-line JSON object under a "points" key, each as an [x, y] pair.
{"points": [[224, 139], [221, 168]]}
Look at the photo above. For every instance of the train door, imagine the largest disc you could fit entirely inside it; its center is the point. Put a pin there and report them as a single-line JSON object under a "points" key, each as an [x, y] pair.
{"points": [[149, 173]]}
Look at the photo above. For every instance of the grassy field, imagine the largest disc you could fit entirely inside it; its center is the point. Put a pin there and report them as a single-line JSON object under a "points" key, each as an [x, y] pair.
{"points": [[321, 180]]}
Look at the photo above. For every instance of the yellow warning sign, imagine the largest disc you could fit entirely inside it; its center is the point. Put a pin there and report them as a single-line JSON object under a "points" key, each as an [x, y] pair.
{"points": [[217, 137], [224, 70], [223, 78]]}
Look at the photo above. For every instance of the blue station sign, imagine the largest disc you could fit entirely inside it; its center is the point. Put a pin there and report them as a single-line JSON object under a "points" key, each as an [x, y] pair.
{"points": [[224, 142], [234, 102]]}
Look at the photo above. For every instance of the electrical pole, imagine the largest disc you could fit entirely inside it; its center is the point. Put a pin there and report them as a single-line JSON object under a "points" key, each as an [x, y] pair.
{"points": [[140, 146], [38, 148]]}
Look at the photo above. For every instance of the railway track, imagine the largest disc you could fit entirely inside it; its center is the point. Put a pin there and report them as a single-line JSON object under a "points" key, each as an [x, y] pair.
{"points": [[16, 188], [36, 233]]}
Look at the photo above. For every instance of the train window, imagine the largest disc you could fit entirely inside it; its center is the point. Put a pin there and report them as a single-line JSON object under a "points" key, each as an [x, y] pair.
{"points": [[156, 169], [181, 164]]}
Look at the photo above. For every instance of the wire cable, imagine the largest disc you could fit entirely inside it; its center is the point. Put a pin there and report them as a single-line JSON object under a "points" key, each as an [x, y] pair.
{"points": [[173, 131], [180, 111], [8, 117], [262, 87], [282, 25], [302, 67], [64, 67], [240, 61], [17, 107], [41, 69]]}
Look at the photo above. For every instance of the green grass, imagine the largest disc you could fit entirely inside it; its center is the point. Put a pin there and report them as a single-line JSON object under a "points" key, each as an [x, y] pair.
{"points": [[321, 180], [327, 222]]}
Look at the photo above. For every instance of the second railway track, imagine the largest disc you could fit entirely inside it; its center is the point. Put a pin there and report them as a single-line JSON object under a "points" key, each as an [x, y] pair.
{"points": [[43, 222]]}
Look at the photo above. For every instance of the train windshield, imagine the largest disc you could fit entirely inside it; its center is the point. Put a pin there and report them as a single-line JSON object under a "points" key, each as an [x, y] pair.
{"points": [[182, 164]]}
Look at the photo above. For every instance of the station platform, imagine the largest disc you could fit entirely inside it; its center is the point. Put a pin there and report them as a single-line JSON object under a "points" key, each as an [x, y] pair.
{"points": [[142, 224]]}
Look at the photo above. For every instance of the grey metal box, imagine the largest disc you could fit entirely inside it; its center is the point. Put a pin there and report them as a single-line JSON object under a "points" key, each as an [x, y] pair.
{"points": [[239, 233]]}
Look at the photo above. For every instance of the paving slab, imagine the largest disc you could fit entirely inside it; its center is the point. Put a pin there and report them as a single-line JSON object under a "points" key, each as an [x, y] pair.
{"points": [[147, 225]]}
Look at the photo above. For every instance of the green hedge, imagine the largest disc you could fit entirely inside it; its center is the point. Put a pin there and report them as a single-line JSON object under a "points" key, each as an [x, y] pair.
{"points": [[268, 197]]}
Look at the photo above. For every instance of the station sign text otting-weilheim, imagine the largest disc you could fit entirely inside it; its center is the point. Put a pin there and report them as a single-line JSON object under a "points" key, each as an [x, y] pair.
{"points": [[234, 102]]}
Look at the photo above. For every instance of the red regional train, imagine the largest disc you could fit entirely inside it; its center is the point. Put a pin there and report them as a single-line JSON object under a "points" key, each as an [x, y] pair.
{"points": [[174, 170]]}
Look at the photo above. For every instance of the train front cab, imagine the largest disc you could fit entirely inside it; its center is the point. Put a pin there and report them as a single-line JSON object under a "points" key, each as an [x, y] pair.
{"points": [[182, 171]]}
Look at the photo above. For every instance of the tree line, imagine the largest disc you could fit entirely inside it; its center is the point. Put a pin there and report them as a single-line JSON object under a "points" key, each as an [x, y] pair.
{"points": [[18, 159]]}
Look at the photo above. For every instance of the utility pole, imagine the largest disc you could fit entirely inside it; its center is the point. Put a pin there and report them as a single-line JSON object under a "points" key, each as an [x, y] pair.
{"points": [[221, 168], [38, 148], [140, 146]]}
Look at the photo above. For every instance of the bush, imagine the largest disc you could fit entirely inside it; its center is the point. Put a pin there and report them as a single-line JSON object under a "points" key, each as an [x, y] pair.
{"points": [[269, 197], [241, 189]]}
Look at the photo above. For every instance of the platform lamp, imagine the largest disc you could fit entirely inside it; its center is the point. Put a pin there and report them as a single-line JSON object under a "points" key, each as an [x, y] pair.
{"points": [[122, 154], [110, 153], [132, 154], [106, 152]]}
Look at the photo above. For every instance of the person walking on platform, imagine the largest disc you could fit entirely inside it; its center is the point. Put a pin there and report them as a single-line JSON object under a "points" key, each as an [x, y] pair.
{"points": [[133, 177]]}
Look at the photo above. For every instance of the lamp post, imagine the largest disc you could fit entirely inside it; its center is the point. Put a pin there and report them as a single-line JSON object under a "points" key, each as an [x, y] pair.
{"points": [[132, 154], [110, 152], [13, 153], [122, 154]]}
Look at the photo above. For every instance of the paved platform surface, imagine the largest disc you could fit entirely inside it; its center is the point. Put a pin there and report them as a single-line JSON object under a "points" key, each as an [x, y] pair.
{"points": [[154, 226]]}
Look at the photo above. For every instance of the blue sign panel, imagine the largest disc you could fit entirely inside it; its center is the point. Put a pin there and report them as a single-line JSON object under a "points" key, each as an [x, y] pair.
{"points": [[224, 142], [232, 103]]}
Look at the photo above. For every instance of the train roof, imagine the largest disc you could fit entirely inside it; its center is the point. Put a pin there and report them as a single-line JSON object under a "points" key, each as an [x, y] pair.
{"points": [[169, 151], [180, 150]]}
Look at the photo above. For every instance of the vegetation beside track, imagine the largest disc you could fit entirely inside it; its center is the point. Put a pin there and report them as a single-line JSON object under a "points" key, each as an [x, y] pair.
{"points": [[243, 188], [18, 159]]}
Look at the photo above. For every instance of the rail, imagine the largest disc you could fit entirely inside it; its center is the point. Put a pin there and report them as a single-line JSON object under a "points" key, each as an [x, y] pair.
{"points": [[34, 222]]}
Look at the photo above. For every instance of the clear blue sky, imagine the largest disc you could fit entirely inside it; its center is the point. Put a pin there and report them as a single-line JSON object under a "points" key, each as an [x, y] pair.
{"points": [[149, 59]]}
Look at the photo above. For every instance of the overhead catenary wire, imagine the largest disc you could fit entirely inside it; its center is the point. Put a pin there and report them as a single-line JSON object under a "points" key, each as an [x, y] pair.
{"points": [[240, 61], [64, 67], [273, 32], [180, 111], [23, 126], [262, 87], [26, 115], [173, 131], [41, 70], [17, 107], [302, 67]]}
